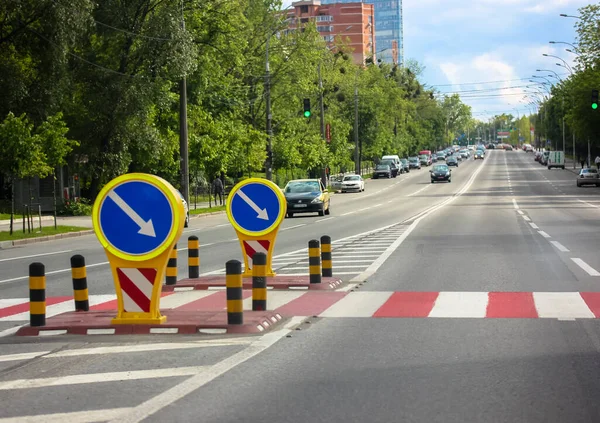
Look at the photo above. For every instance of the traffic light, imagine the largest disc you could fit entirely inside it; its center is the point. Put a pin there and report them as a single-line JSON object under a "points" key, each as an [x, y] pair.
{"points": [[307, 112], [594, 99]]}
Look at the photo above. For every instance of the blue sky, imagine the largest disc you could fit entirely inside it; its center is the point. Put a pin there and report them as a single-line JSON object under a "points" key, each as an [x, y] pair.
{"points": [[468, 41]]}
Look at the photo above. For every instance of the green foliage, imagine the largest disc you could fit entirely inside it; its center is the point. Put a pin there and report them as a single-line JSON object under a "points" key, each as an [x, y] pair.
{"points": [[79, 207]]}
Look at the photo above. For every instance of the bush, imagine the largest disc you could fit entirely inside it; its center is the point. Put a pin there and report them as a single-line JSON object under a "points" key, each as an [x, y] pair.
{"points": [[80, 207]]}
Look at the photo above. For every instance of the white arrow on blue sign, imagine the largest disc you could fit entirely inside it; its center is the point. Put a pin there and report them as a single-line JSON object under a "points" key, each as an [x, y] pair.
{"points": [[255, 207], [136, 217]]}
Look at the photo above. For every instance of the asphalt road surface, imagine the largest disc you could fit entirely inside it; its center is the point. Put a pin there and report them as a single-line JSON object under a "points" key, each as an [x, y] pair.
{"points": [[474, 301]]}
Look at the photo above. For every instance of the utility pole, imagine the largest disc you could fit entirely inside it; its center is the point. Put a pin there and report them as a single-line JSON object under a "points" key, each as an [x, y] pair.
{"points": [[183, 132], [269, 161], [322, 120], [356, 163], [563, 124]]}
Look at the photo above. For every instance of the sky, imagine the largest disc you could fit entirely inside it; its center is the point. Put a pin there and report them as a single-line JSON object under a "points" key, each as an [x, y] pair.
{"points": [[464, 45]]}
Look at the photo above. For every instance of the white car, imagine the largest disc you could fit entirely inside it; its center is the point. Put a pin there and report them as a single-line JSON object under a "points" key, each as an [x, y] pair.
{"points": [[353, 183], [187, 211]]}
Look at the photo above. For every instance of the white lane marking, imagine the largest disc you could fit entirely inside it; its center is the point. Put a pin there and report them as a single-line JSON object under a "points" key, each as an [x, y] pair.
{"points": [[323, 220], [36, 255], [520, 212], [275, 301], [346, 214], [544, 234], [334, 266], [589, 269], [22, 356], [12, 301], [559, 246], [561, 305], [174, 301], [100, 377], [334, 273], [533, 225], [293, 227], [54, 272], [589, 204], [418, 191], [59, 308], [526, 218], [357, 304], [160, 401], [515, 204], [72, 417], [460, 304]]}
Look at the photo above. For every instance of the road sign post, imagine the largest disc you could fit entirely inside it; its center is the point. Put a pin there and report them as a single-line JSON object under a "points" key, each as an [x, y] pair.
{"points": [[138, 218], [256, 207]]}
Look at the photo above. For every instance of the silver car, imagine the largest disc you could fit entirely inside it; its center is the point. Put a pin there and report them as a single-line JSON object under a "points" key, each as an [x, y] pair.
{"points": [[588, 177]]}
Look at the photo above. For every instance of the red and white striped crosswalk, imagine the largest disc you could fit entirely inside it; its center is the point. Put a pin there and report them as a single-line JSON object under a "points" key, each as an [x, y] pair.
{"points": [[339, 304]]}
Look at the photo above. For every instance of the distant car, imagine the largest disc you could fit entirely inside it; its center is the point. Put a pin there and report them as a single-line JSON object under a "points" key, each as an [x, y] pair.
{"points": [[393, 166], [478, 155], [353, 183], [382, 171], [508, 148], [441, 155], [405, 165], [434, 158], [464, 154], [528, 148], [440, 172], [452, 161], [307, 196], [414, 163], [544, 158], [425, 160], [537, 156], [588, 176], [187, 210]]}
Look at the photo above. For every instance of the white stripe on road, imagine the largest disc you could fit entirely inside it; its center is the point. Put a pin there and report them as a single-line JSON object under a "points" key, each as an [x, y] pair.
{"points": [[357, 304], [100, 377], [533, 225], [292, 227], [174, 301], [589, 269], [460, 304], [276, 301], [62, 307], [561, 305], [323, 220], [520, 212], [544, 234], [526, 218], [36, 255], [515, 204], [72, 417], [589, 204], [559, 246], [22, 356], [54, 272], [418, 191]]}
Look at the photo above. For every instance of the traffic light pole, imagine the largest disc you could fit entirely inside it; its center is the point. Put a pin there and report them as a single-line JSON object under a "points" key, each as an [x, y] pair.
{"points": [[322, 121], [268, 162]]}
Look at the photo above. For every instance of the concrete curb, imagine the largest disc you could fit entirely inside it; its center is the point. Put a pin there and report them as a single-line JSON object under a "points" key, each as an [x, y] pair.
{"points": [[197, 216], [6, 222], [19, 242]]}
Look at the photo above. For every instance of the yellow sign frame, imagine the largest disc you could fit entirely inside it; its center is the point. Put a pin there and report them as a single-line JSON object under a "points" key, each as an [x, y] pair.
{"points": [[155, 259]]}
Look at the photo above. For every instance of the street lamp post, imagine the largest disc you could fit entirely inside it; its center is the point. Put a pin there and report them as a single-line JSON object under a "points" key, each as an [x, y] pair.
{"points": [[183, 132], [549, 70], [561, 59]]}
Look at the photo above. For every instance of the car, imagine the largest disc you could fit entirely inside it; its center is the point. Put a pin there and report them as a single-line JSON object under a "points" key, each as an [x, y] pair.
{"points": [[508, 148], [471, 148], [433, 158], [425, 160], [452, 161], [186, 223], [307, 196], [414, 163], [544, 158], [441, 155], [440, 172], [588, 176], [393, 166], [382, 171], [528, 148], [464, 154], [478, 155], [405, 165], [353, 183], [537, 156]]}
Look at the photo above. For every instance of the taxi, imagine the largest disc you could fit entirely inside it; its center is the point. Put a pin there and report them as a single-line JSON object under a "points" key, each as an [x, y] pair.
{"points": [[307, 196]]}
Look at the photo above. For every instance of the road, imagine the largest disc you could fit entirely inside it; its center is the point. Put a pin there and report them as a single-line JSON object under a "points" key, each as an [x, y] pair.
{"points": [[479, 304]]}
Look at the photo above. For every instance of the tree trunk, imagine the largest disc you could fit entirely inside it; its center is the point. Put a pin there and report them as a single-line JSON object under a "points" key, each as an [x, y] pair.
{"points": [[54, 195], [12, 204]]}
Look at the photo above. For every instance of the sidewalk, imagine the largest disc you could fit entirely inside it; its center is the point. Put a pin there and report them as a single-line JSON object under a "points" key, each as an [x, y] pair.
{"points": [[48, 221], [569, 166]]}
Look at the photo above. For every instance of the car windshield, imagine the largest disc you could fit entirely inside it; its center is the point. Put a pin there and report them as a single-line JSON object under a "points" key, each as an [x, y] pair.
{"points": [[413, 159], [589, 171], [352, 178], [404, 161], [302, 186], [440, 168], [382, 167]]}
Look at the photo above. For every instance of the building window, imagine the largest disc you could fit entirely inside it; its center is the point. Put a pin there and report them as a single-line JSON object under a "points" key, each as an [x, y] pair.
{"points": [[324, 18], [328, 38], [328, 28], [370, 19], [304, 20], [304, 9]]}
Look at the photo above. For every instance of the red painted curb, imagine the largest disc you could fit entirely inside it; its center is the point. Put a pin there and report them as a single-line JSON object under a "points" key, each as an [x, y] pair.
{"points": [[278, 282]]}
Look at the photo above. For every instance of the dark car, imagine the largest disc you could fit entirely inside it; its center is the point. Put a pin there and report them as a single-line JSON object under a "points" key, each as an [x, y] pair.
{"points": [[382, 171], [405, 165], [434, 158], [478, 155], [392, 166], [440, 172], [414, 163], [452, 161], [306, 196]]}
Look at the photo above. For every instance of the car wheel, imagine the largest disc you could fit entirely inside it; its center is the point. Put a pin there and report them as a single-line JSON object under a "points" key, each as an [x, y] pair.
{"points": [[187, 221], [321, 213], [578, 184], [290, 215], [449, 180], [432, 181]]}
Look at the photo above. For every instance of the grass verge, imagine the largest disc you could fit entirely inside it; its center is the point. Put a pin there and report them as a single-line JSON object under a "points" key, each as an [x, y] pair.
{"points": [[6, 216], [18, 232], [207, 210]]}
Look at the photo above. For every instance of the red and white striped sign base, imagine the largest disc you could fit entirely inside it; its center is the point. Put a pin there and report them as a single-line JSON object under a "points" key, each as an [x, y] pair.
{"points": [[136, 288], [253, 247]]}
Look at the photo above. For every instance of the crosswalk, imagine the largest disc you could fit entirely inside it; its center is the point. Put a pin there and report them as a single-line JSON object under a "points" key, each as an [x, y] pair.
{"points": [[351, 303]]}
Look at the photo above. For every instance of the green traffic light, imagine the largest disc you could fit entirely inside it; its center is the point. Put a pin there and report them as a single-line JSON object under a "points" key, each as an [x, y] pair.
{"points": [[594, 106], [307, 113]]}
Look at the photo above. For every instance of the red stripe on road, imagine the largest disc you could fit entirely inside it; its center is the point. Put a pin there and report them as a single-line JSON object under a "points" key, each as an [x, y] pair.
{"points": [[114, 304], [214, 302], [24, 307], [511, 305], [310, 304], [408, 304], [133, 292], [592, 299]]}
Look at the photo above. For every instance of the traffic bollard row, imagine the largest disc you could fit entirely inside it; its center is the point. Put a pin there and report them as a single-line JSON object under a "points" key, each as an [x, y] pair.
{"points": [[314, 261], [80, 289], [37, 294], [171, 273], [193, 257], [234, 292], [326, 263], [259, 282]]}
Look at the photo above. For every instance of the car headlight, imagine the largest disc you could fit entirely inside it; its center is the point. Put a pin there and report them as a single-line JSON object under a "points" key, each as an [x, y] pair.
{"points": [[317, 200]]}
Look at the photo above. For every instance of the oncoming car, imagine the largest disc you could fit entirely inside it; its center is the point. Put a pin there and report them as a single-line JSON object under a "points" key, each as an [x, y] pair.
{"points": [[307, 196], [353, 183], [440, 172]]}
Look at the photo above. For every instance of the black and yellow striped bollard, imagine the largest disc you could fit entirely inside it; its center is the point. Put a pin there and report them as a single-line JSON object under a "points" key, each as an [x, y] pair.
{"points": [[80, 289], [37, 294], [193, 257], [171, 274], [234, 287], [259, 282], [314, 261], [326, 263]]}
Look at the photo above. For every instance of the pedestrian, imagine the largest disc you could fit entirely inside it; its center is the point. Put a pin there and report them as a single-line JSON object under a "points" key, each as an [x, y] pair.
{"points": [[597, 161], [582, 163], [217, 186]]}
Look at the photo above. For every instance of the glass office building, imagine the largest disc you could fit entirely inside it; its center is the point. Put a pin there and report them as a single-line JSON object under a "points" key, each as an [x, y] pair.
{"points": [[388, 28]]}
